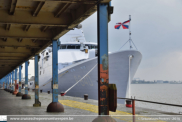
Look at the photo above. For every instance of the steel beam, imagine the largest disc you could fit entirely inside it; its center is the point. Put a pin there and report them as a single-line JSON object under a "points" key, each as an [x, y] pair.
{"points": [[6, 67], [11, 58], [26, 95], [26, 42], [62, 9], [27, 27], [37, 102], [74, 1], [13, 6], [55, 106], [19, 50], [20, 46], [103, 76], [77, 17], [4, 39], [8, 26], [45, 28], [38, 8], [34, 33], [26, 18], [33, 24]]}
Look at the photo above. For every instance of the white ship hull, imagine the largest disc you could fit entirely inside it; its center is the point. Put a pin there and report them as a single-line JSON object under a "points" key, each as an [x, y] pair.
{"points": [[68, 76]]}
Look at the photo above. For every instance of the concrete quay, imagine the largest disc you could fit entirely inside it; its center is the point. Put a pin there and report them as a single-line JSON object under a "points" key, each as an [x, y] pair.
{"points": [[76, 109]]}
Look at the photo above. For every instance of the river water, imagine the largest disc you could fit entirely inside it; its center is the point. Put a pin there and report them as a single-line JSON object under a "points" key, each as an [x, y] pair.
{"points": [[166, 93]]}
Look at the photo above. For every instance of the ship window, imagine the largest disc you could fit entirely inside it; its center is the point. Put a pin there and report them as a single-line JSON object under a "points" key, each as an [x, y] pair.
{"points": [[63, 46], [92, 46], [88, 46], [70, 46], [77, 46]]}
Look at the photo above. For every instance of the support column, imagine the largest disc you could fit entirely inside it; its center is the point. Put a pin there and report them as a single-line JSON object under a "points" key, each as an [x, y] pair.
{"points": [[26, 95], [19, 94], [103, 64], [5, 80], [37, 102], [103, 76], [12, 84], [55, 106], [9, 82], [16, 89]]}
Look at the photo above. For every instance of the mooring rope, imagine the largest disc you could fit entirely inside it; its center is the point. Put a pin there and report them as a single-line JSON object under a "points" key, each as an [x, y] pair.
{"points": [[79, 80], [51, 80]]}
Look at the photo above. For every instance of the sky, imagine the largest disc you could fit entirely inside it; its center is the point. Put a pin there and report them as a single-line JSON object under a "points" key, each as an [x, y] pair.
{"points": [[156, 27]]}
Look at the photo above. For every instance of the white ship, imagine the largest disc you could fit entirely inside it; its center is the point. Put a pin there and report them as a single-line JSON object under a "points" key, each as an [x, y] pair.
{"points": [[77, 67]]}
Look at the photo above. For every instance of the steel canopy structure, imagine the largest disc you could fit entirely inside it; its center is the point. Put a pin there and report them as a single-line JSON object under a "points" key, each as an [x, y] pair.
{"points": [[29, 26]]}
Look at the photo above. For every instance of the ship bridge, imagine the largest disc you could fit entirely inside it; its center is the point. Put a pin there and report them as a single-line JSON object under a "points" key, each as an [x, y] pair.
{"points": [[29, 26]]}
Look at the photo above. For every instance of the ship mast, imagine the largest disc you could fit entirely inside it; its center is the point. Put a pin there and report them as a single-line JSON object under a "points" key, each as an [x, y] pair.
{"points": [[130, 41]]}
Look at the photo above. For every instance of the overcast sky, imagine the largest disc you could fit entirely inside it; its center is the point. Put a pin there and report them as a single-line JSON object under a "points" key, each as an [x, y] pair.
{"points": [[156, 27]]}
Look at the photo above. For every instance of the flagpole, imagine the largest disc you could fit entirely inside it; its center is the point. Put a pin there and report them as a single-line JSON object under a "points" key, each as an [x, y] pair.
{"points": [[130, 32]]}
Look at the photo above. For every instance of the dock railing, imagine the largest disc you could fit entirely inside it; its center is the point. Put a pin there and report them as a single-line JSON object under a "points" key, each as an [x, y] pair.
{"points": [[133, 103]]}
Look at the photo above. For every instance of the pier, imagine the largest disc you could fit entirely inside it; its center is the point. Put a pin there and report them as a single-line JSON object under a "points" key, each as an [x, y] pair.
{"points": [[27, 28], [78, 109]]}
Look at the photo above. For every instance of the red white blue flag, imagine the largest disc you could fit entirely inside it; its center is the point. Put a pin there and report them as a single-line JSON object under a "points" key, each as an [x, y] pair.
{"points": [[125, 25]]}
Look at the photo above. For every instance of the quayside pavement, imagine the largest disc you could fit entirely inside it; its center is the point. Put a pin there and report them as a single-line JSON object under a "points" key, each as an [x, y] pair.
{"points": [[75, 110]]}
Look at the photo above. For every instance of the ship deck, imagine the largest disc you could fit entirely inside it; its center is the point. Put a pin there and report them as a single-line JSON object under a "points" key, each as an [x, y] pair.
{"points": [[76, 109]]}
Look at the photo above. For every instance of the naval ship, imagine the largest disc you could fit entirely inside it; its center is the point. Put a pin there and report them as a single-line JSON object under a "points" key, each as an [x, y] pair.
{"points": [[78, 70]]}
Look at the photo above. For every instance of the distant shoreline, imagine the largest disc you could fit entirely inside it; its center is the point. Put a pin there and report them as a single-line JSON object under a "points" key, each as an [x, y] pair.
{"points": [[156, 83]]}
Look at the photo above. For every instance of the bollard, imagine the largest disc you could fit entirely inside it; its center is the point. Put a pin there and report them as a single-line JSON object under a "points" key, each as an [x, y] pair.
{"points": [[133, 109], [128, 103], [22, 86], [85, 96], [40, 91], [133, 106], [62, 93], [48, 92]]}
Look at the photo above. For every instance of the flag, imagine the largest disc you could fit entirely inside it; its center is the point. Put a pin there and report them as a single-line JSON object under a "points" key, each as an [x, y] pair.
{"points": [[125, 25]]}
